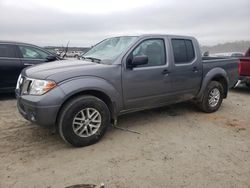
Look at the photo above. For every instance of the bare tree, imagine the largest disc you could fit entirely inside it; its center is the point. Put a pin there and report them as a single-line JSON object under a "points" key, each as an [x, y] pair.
{"points": [[64, 51]]}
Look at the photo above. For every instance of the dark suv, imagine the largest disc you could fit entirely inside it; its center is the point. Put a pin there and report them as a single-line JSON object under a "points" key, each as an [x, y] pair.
{"points": [[15, 56]]}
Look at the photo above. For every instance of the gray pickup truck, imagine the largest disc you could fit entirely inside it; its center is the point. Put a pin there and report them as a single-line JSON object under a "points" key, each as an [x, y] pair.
{"points": [[119, 75]]}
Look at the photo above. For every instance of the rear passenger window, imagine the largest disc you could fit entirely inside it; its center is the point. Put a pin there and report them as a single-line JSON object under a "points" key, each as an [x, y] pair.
{"points": [[7, 50], [183, 50], [29, 52]]}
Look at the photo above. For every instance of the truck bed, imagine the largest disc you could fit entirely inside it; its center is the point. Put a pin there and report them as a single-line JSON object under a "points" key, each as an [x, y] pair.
{"points": [[229, 65]]}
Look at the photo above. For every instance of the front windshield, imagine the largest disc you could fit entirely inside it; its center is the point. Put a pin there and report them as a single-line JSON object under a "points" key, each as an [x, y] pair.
{"points": [[109, 49]]}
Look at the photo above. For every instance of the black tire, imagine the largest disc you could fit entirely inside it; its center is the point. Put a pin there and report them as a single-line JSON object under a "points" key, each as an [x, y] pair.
{"points": [[248, 84], [69, 112], [204, 104]]}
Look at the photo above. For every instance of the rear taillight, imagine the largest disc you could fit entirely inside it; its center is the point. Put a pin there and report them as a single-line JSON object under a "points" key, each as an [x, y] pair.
{"points": [[239, 67]]}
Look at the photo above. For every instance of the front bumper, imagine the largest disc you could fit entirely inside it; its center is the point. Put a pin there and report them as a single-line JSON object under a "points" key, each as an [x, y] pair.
{"points": [[41, 110]]}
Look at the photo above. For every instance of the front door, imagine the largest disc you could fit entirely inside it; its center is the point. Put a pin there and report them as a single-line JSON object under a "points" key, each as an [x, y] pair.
{"points": [[31, 55], [146, 85]]}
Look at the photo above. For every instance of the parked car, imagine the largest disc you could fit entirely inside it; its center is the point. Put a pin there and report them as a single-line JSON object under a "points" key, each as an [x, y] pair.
{"points": [[15, 56], [244, 68], [121, 75], [72, 54]]}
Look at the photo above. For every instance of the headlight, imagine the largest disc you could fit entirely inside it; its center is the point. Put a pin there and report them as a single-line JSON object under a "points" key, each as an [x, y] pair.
{"points": [[39, 87]]}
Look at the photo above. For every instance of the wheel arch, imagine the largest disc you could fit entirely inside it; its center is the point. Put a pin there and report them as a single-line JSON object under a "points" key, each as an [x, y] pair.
{"points": [[223, 81], [103, 90], [96, 93], [216, 74]]}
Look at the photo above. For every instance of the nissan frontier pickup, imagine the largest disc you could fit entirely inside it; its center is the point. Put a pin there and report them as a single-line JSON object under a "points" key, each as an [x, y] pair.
{"points": [[81, 98]]}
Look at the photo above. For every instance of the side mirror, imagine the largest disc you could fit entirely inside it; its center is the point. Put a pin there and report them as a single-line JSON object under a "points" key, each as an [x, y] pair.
{"points": [[50, 58], [138, 60]]}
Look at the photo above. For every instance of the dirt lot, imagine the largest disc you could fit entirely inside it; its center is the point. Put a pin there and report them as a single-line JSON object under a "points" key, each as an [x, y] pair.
{"points": [[179, 146]]}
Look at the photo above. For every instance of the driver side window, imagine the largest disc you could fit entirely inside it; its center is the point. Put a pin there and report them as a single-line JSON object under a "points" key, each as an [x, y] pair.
{"points": [[154, 49], [29, 52]]}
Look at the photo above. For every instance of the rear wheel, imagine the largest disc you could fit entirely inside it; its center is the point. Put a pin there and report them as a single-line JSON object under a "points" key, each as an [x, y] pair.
{"points": [[212, 98], [83, 120]]}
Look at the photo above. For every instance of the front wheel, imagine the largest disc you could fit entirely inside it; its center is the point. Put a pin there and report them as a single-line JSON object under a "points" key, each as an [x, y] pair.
{"points": [[83, 120], [212, 98]]}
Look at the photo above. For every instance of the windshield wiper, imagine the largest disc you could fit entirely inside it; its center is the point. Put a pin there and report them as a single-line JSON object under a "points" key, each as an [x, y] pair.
{"points": [[93, 59]]}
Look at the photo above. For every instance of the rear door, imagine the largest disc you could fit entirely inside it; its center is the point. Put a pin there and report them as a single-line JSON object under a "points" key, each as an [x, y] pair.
{"points": [[186, 74], [31, 55], [10, 66]]}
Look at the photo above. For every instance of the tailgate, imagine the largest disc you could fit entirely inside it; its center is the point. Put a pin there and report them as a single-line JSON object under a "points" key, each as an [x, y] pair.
{"points": [[245, 66]]}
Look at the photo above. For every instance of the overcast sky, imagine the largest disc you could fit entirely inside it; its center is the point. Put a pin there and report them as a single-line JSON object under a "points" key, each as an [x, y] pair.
{"points": [[85, 22]]}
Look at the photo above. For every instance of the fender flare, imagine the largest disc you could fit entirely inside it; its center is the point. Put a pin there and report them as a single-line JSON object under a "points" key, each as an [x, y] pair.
{"points": [[78, 85], [216, 74]]}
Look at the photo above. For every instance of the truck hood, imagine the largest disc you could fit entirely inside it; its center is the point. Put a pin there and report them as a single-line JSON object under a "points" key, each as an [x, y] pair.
{"points": [[65, 69]]}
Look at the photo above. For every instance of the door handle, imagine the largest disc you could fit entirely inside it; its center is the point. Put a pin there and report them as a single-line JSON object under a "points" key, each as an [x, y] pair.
{"points": [[195, 69], [28, 64], [165, 71]]}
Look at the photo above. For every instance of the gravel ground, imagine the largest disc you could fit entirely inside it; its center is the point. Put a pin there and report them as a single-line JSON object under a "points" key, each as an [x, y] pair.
{"points": [[179, 146]]}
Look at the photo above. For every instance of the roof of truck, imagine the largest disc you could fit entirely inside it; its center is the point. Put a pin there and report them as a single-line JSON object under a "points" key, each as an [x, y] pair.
{"points": [[155, 34], [160, 34]]}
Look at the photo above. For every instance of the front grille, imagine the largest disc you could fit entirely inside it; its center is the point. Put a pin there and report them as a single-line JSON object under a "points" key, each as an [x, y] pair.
{"points": [[20, 82], [25, 86]]}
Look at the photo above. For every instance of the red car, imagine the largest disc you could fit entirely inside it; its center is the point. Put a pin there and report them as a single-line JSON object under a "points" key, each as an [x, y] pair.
{"points": [[244, 68]]}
